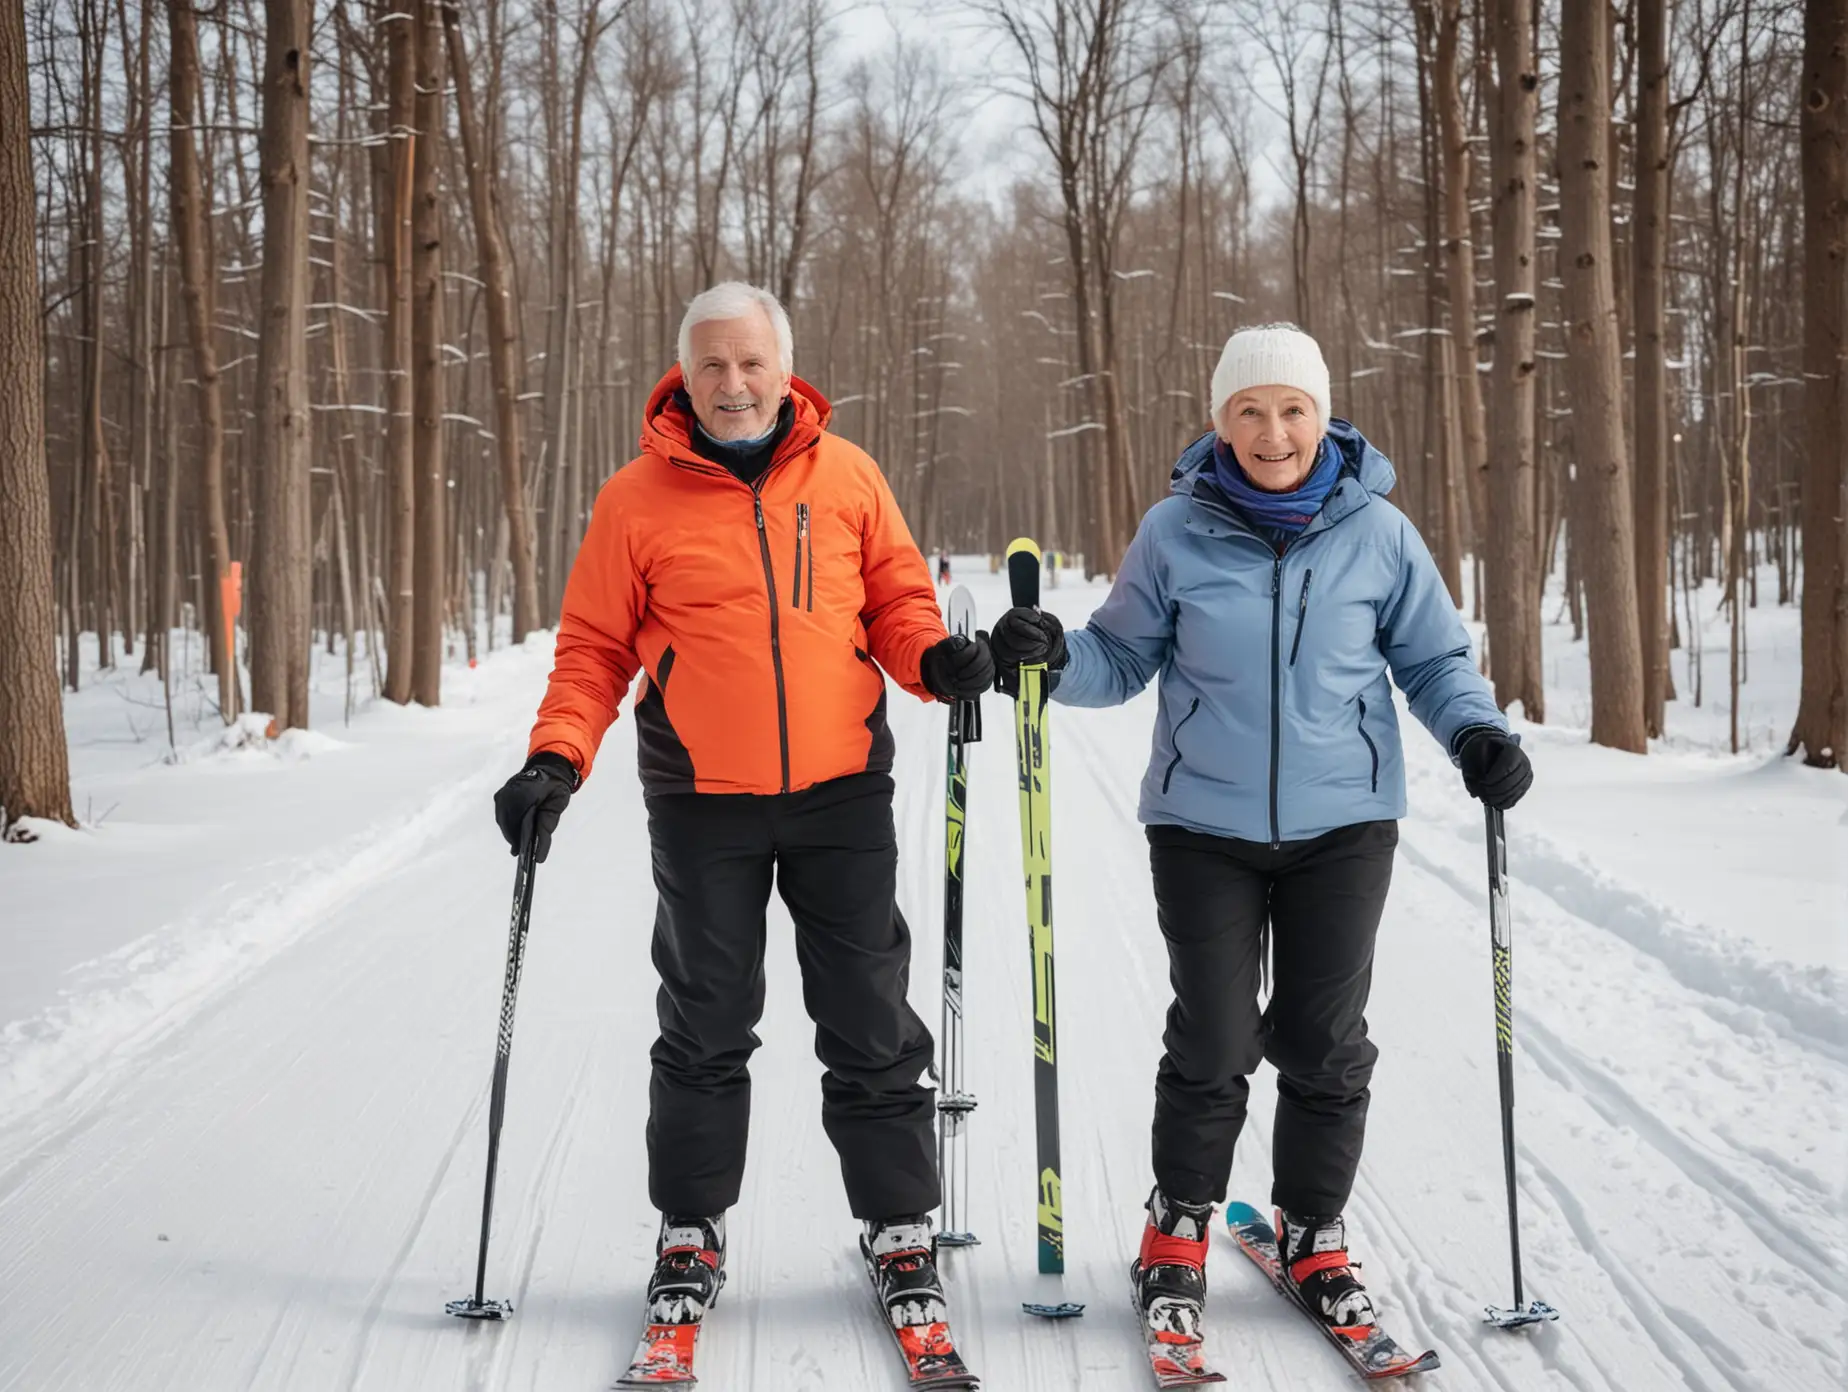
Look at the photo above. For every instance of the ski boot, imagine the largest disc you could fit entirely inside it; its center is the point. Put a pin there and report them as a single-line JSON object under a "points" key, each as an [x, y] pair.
{"points": [[901, 1258], [689, 1269], [1314, 1253], [1169, 1273]]}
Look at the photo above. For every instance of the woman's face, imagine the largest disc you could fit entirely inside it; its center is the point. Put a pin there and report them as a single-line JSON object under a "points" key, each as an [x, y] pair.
{"points": [[1275, 433]]}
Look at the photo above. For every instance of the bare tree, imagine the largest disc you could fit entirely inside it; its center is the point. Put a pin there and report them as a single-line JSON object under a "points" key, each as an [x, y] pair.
{"points": [[281, 571], [430, 570], [1460, 268], [192, 235], [1512, 577], [504, 356], [397, 160], [1821, 714], [35, 776], [1601, 519], [1649, 242]]}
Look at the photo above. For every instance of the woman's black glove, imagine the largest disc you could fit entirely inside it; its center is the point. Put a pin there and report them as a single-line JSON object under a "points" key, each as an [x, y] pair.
{"points": [[1023, 637], [1495, 768], [541, 790], [958, 668]]}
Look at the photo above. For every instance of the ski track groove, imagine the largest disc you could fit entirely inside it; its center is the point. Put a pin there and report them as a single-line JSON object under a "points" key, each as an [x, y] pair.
{"points": [[1568, 1066], [1664, 1330], [1609, 1098], [535, 1202], [383, 1285]]}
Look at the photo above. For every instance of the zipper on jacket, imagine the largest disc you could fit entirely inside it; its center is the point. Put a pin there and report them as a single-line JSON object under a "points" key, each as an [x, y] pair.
{"points": [[1175, 762], [1372, 749], [808, 600], [795, 593], [1302, 617], [1276, 692], [776, 637]]}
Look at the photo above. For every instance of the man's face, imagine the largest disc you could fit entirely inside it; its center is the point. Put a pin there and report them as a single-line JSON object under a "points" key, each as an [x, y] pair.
{"points": [[734, 379]]}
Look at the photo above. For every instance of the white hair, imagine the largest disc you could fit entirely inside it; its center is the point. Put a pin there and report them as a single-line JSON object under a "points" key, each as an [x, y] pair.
{"points": [[734, 299]]}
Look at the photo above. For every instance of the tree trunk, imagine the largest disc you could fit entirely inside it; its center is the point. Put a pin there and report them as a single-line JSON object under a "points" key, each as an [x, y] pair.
{"points": [[429, 401], [1824, 692], [400, 459], [504, 356], [1460, 270], [35, 776], [192, 236], [282, 550], [1603, 534], [1649, 242]]}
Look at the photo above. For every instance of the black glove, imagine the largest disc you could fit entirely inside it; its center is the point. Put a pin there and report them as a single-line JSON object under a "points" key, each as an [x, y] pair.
{"points": [[541, 790], [1495, 768], [958, 668], [1023, 637]]}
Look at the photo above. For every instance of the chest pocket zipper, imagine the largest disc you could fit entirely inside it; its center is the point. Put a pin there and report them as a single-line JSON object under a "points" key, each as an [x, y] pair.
{"points": [[1175, 762], [1302, 616], [802, 537]]}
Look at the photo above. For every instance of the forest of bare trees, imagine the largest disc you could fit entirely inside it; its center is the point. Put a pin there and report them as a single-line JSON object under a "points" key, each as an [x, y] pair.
{"points": [[329, 317]]}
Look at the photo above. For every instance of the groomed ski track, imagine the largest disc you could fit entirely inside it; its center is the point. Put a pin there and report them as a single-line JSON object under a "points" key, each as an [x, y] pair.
{"points": [[277, 1183]]}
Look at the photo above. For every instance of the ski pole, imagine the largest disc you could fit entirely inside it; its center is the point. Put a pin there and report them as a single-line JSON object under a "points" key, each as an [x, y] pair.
{"points": [[955, 1105], [477, 1306], [1501, 934]]}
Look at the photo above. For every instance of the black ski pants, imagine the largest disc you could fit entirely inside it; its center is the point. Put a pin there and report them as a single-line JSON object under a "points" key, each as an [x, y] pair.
{"points": [[1320, 900], [833, 854]]}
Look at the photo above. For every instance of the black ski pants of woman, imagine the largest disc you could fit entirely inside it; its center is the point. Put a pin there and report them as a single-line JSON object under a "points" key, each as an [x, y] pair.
{"points": [[833, 855], [1319, 902]]}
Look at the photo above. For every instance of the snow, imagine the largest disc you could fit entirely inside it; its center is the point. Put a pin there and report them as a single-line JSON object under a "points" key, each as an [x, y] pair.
{"points": [[248, 1019]]}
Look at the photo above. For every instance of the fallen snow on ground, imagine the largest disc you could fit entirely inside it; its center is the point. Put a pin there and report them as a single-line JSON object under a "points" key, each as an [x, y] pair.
{"points": [[247, 1023]]}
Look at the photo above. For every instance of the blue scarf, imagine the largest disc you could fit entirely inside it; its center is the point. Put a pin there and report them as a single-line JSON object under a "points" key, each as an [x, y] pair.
{"points": [[1283, 512]]}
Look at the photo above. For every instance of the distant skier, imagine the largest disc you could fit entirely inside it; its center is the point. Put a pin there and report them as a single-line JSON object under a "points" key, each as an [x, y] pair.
{"points": [[1274, 590], [754, 567], [943, 567]]}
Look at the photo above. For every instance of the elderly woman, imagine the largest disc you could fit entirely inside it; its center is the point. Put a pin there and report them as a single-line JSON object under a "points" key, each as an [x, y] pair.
{"points": [[1274, 591]]}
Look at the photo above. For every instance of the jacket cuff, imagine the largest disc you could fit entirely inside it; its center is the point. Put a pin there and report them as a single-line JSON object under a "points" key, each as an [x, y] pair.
{"points": [[552, 759], [1469, 732]]}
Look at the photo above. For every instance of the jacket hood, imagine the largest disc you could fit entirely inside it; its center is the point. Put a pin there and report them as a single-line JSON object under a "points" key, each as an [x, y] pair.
{"points": [[667, 426], [1359, 458]]}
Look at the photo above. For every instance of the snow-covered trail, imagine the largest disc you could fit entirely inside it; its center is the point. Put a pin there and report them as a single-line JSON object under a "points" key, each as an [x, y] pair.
{"points": [[279, 1186]]}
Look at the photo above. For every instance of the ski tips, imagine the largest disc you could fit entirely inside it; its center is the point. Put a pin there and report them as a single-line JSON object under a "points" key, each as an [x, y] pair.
{"points": [[480, 1309], [1065, 1309], [1537, 1312], [1023, 572], [1239, 1215]]}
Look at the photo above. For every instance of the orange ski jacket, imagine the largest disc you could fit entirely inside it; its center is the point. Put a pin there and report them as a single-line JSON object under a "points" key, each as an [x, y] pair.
{"points": [[756, 612]]}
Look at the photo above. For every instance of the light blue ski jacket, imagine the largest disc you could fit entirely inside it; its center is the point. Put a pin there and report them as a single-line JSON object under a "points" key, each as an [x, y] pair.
{"points": [[1276, 718]]}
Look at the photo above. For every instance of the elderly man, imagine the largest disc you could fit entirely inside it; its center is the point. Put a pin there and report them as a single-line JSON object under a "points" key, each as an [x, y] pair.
{"points": [[755, 567]]}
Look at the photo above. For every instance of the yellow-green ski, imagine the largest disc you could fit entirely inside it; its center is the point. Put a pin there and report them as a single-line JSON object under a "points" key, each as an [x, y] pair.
{"points": [[1031, 753]]}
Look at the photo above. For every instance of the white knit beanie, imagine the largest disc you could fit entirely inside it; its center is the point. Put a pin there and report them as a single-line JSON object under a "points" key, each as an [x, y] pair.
{"points": [[1272, 355]]}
